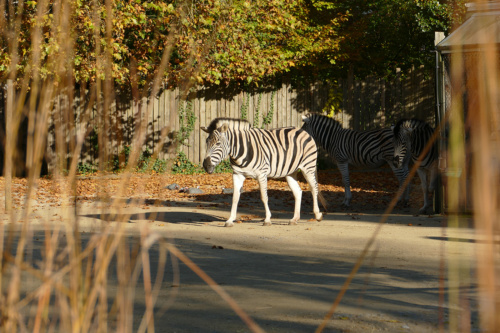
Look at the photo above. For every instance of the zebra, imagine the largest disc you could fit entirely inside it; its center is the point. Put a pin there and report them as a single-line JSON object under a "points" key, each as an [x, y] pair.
{"points": [[262, 154], [369, 149], [410, 138]]}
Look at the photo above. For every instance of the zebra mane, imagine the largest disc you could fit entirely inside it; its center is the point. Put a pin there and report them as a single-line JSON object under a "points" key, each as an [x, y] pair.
{"points": [[330, 122], [411, 124], [231, 122]]}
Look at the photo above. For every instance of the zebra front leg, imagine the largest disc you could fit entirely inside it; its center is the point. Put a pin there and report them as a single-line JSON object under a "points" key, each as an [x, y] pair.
{"points": [[297, 193], [344, 170], [238, 181], [401, 175], [427, 208], [263, 195], [433, 178]]}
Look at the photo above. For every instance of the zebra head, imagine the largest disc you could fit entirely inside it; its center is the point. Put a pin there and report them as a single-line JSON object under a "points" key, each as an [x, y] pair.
{"points": [[402, 142], [217, 147]]}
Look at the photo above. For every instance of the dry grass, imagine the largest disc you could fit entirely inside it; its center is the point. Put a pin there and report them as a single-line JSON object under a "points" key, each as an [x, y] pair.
{"points": [[70, 277]]}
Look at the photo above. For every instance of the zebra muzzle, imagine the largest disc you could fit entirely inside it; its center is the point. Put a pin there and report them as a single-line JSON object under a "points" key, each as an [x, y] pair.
{"points": [[207, 165]]}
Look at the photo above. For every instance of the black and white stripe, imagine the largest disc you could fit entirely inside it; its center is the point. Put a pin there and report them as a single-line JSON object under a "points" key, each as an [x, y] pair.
{"points": [[262, 154], [410, 138], [369, 149]]}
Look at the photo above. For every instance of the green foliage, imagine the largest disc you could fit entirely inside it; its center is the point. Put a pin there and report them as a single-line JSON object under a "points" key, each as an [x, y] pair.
{"points": [[86, 168], [267, 119], [256, 115], [224, 167], [218, 42], [335, 98], [147, 164], [182, 165], [144, 164], [159, 166], [244, 107], [269, 116], [381, 35], [187, 120], [120, 161]]}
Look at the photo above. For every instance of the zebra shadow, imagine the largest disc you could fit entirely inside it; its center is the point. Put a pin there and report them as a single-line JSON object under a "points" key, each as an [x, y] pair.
{"points": [[281, 203], [195, 218], [372, 191]]}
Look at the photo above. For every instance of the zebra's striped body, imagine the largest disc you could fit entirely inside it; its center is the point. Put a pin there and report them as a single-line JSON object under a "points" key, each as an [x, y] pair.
{"points": [[369, 149], [262, 154], [410, 138]]}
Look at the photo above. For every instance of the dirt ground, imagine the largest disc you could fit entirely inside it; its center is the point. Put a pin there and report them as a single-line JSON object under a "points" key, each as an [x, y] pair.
{"points": [[286, 278]]}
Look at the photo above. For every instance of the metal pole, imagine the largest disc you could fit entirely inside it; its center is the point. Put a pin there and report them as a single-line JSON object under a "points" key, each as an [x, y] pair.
{"points": [[8, 146], [439, 191]]}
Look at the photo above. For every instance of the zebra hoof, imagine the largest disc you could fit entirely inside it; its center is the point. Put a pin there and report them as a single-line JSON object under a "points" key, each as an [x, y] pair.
{"points": [[292, 222], [266, 224], [228, 224], [426, 211], [319, 217]]}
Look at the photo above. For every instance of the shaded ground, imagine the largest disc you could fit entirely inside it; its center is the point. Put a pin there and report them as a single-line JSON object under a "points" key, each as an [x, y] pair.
{"points": [[285, 277], [372, 191]]}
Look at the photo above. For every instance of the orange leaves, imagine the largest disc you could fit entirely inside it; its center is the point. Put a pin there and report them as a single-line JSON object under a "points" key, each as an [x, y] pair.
{"points": [[370, 190]]}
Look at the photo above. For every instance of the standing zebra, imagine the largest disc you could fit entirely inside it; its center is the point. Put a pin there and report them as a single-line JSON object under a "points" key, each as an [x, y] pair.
{"points": [[362, 149], [410, 138], [262, 154]]}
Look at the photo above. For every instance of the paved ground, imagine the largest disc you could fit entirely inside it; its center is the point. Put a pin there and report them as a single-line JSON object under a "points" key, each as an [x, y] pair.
{"points": [[287, 277]]}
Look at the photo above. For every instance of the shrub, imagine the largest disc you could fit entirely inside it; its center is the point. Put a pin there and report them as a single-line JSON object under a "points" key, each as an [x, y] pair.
{"points": [[182, 165], [86, 168]]}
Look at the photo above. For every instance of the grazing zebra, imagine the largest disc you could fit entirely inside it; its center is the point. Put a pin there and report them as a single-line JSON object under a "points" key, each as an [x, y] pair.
{"points": [[369, 149], [262, 154], [410, 138]]}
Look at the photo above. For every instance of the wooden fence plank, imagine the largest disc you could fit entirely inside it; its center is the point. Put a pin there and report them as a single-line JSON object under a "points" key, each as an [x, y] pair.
{"points": [[370, 103]]}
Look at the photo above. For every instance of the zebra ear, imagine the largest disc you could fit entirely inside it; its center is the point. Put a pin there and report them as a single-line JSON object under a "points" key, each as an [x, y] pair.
{"points": [[204, 129], [223, 128], [392, 127]]}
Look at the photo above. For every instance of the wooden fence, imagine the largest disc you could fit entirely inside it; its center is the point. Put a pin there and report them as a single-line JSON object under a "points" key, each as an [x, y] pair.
{"points": [[366, 104]]}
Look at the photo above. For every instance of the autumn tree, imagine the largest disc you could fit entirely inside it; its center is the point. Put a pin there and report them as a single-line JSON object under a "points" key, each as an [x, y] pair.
{"points": [[382, 35], [222, 41]]}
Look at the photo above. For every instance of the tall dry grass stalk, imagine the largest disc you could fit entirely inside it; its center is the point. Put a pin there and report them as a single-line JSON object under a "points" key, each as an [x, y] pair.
{"points": [[68, 285], [474, 151], [484, 119], [67, 289]]}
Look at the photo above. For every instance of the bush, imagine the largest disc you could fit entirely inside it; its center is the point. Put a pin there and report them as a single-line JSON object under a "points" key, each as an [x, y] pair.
{"points": [[182, 165], [86, 168], [224, 167]]}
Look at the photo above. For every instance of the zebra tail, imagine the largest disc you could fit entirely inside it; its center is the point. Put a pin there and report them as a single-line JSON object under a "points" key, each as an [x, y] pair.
{"points": [[323, 201]]}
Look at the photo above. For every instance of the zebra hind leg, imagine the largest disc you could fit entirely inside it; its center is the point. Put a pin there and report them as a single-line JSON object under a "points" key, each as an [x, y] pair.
{"points": [[311, 179], [297, 193], [427, 209], [344, 170]]}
